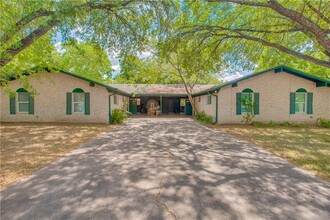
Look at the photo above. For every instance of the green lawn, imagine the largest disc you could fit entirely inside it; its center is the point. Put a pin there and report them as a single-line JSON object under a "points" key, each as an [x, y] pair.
{"points": [[308, 148]]}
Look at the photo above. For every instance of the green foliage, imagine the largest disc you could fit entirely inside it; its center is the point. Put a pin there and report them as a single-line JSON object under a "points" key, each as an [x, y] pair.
{"points": [[116, 25], [277, 124], [201, 116], [322, 122], [269, 57], [85, 59], [118, 116], [249, 106], [151, 70], [228, 27]]}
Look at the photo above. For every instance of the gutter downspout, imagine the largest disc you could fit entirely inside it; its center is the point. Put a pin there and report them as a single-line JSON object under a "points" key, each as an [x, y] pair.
{"points": [[216, 107], [110, 114]]}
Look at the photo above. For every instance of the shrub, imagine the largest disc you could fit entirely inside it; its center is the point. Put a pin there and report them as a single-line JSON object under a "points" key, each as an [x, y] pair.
{"points": [[249, 105], [258, 124], [277, 124], [201, 116], [118, 116], [323, 122]]}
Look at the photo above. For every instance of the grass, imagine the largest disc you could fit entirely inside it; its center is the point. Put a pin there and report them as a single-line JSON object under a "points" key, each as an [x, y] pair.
{"points": [[27, 147], [308, 148]]}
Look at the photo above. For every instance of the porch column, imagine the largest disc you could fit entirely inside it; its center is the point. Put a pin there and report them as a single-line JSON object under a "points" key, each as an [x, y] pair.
{"points": [[161, 104]]}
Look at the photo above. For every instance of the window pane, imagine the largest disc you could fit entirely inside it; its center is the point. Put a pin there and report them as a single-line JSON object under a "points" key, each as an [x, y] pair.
{"points": [[78, 97], [300, 107], [23, 97], [246, 99], [23, 107], [78, 107], [300, 97], [246, 96]]}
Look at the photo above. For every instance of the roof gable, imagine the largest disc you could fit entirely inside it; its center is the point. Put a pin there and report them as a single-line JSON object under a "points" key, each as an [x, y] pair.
{"points": [[109, 88], [319, 81]]}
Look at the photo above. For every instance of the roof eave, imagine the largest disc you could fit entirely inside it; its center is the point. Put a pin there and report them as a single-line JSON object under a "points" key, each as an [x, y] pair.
{"points": [[280, 68]]}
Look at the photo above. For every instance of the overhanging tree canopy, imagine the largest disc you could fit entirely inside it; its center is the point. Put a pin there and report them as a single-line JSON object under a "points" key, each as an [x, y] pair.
{"points": [[116, 24], [300, 29]]}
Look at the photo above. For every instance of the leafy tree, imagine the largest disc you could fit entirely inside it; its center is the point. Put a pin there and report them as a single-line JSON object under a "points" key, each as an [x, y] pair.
{"points": [[149, 70], [191, 65], [298, 29], [39, 54], [86, 59], [117, 24]]}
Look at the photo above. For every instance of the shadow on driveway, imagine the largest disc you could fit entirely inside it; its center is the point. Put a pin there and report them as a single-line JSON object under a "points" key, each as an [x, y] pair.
{"points": [[168, 169]]}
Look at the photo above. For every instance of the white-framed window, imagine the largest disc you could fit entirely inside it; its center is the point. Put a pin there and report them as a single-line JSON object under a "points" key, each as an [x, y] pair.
{"points": [[300, 102], [23, 102], [246, 98], [78, 102]]}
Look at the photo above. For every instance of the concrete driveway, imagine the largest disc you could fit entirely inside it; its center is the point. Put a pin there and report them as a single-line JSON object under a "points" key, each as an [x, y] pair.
{"points": [[168, 169]]}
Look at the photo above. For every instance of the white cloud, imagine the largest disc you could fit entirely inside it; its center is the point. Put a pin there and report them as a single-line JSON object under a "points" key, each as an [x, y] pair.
{"points": [[59, 47]]}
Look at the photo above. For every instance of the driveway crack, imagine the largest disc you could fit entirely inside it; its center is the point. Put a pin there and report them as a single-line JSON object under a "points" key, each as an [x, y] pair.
{"points": [[161, 186]]}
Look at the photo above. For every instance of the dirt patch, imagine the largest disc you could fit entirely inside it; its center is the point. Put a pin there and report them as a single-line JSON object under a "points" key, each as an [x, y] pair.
{"points": [[27, 147]]}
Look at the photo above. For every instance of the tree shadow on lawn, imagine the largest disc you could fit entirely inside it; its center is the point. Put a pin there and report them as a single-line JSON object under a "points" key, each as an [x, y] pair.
{"points": [[168, 169], [26, 147]]}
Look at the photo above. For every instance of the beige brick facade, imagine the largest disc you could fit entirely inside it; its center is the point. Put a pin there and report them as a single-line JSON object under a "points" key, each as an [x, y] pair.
{"points": [[203, 106], [50, 100], [274, 90]]}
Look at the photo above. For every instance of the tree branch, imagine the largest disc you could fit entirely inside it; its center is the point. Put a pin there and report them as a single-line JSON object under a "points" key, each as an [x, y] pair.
{"points": [[25, 42], [319, 13], [13, 50], [239, 35], [24, 21], [319, 33]]}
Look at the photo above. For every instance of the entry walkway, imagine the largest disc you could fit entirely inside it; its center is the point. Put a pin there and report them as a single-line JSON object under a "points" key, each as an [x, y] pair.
{"points": [[168, 169]]}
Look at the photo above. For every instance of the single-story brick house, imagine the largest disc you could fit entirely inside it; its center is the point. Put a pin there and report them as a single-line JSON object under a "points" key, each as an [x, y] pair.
{"points": [[61, 97], [280, 93]]}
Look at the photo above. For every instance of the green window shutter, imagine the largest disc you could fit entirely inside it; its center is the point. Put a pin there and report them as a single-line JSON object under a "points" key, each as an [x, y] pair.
{"points": [[87, 103], [256, 101], [68, 103], [31, 105], [310, 103], [238, 104], [292, 103], [12, 105]]}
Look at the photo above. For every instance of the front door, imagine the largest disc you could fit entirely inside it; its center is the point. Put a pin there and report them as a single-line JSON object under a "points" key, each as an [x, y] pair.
{"points": [[188, 108], [132, 106]]}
